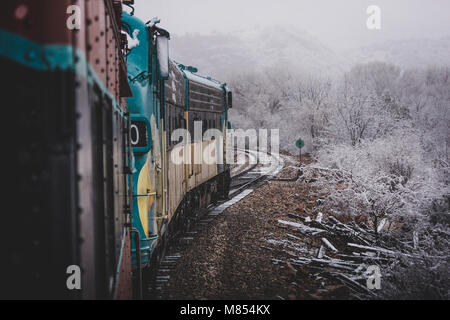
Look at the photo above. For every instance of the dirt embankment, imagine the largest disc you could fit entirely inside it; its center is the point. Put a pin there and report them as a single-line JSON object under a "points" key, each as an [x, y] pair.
{"points": [[239, 255]]}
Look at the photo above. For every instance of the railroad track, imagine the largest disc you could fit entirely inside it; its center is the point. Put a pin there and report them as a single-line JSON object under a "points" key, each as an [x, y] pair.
{"points": [[259, 168], [263, 167]]}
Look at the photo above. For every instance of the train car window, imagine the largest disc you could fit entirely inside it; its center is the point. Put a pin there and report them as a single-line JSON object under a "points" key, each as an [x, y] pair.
{"points": [[202, 97]]}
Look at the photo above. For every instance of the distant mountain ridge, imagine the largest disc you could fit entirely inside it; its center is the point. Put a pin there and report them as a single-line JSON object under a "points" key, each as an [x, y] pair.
{"points": [[272, 47], [281, 48], [413, 53]]}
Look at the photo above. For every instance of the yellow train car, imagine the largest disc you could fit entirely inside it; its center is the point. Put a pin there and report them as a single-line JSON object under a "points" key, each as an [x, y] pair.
{"points": [[196, 121]]}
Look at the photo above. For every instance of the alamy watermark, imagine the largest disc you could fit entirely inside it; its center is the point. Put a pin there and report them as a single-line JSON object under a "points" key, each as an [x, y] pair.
{"points": [[208, 148], [73, 282], [373, 274], [74, 20], [374, 19]]}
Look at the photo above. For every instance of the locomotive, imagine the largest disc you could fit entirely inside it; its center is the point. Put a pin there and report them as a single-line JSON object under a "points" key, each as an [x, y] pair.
{"points": [[97, 124], [167, 97]]}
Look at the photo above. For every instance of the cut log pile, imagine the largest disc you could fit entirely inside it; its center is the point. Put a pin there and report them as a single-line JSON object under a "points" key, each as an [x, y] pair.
{"points": [[338, 251]]}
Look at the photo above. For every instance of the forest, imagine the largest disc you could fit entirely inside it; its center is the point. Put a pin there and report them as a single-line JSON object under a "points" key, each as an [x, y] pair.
{"points": [[379, 136]]}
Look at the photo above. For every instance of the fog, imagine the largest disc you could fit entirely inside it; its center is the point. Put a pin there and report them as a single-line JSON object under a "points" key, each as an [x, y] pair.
{"points": [[339, 24]]}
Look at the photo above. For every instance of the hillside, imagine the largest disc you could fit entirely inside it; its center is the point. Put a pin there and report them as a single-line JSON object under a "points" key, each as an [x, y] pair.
{"points": [[271, 47], [282, 49], [416, 53]]}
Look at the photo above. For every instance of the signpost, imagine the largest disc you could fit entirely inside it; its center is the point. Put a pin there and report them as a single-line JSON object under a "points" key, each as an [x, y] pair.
{"points": [[300, 144]]}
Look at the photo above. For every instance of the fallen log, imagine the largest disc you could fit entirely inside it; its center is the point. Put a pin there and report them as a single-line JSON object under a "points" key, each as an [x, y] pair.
{"points": [[336, 263], [352, 232], [358, 256], [321, 252], [301, 227], [292, 237], [329, 245], [377, 249]]}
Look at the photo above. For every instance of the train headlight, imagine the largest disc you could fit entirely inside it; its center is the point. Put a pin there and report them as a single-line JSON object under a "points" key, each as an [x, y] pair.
{"points": [[140, 134]]}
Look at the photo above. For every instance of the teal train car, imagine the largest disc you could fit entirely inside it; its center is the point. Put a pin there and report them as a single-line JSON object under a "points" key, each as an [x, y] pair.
{"points": [[177, 117]]}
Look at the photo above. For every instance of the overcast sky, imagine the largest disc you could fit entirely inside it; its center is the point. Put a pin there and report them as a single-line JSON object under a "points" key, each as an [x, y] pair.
{"points": [[339, 23]]}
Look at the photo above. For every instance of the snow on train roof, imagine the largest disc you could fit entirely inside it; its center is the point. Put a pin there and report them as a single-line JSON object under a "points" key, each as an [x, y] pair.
{"points": [[200, 79]]}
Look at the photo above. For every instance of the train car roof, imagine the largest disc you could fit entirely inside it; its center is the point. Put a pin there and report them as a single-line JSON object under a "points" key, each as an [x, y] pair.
{"points": [[200, 79]]}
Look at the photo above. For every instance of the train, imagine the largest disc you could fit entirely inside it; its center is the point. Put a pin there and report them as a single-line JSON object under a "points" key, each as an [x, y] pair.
{"points": [[105, 157]]}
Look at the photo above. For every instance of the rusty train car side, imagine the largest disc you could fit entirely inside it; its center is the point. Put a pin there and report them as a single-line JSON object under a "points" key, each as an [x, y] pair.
{"points": [[68, 175]]}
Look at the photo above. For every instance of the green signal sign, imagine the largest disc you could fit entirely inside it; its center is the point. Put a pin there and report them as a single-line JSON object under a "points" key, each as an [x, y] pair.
{"points": [[300, 143]]}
